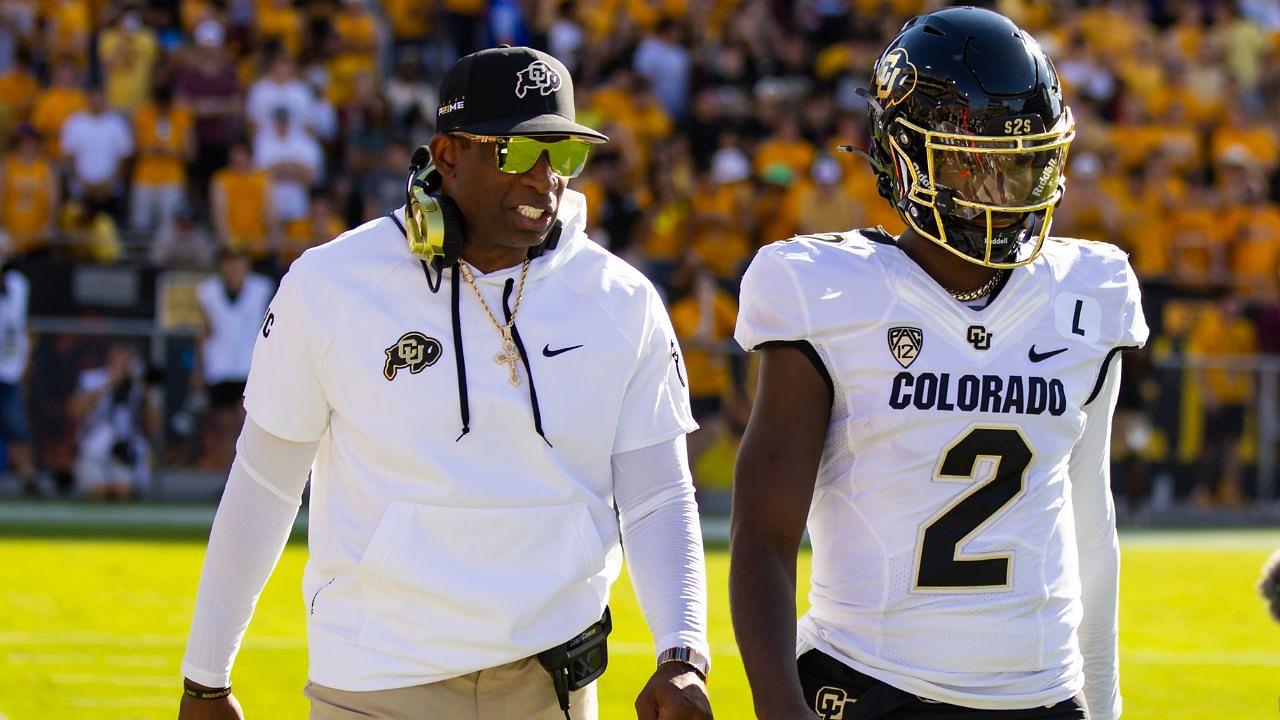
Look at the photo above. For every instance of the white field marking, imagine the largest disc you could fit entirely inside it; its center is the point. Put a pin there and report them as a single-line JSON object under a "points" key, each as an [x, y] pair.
{"points": [[123, 702], [714, 529], [1167, 657], [136, 515], [30, 658], [118, 517], [114, 680], [1244, 539], [96, 638]]}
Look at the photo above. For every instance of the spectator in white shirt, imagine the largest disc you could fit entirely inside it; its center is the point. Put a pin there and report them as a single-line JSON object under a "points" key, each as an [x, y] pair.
{"points": [[15, 349], [293, 159], [662, 59], [279, 88], [232, 306], [95, 143]]}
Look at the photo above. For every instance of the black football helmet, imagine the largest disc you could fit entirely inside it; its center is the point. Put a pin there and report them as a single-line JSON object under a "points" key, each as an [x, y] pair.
{"points": [[969, 134]]}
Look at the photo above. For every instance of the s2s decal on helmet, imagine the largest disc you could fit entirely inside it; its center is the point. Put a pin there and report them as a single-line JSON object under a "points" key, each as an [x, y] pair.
{"points": [[538, 76], [895, 78]]}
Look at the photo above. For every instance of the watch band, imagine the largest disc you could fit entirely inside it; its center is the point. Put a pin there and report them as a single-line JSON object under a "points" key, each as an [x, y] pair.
{"points": [[688, 656]]}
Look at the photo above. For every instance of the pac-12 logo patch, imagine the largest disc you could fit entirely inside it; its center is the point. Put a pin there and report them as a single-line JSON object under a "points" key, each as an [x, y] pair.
{"points": [[905, 344], [895, 77], [538, 76], [414, 351], [830, 702]]}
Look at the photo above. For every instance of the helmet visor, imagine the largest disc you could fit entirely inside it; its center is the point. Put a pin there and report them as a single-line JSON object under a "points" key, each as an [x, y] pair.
{"points": [[1017, 181]]}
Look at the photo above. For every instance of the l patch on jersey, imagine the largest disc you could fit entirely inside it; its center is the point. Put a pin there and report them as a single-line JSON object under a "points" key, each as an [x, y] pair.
{"points": [[414, 351], [1078, 317], [830, 702], [905, 344]]}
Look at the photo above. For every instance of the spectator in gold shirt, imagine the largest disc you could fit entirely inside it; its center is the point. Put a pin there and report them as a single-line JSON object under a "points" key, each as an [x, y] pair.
{"points": [[166, 143], [18, 89], [240, 202], [67, 24], [28, 193], [826, 204], [704, 316], [1223, 333], [127, 52], [55, 104], [320, 226], [721, 215]]}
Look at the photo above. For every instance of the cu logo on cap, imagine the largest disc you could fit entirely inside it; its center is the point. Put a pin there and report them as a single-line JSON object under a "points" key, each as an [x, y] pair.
{"points": [[538, 76]]}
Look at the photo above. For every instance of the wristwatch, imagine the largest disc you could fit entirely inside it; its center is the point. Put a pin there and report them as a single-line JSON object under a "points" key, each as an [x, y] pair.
{"points": [[688, 656]]}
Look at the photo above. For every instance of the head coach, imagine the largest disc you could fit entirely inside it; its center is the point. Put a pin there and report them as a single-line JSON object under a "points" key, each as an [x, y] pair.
{"points": [[489, 405]]}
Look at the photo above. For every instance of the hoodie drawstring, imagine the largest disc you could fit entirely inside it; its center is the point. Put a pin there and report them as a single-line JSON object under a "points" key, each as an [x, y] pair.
{"points": [[524, 357], [459, 358]]}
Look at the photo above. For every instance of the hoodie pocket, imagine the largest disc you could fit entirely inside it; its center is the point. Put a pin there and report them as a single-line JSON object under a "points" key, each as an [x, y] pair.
{"points": [[461, 589]]}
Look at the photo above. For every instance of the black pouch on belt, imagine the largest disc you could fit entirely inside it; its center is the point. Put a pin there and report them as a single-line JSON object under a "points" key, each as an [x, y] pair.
{"points": [[573, 665]]}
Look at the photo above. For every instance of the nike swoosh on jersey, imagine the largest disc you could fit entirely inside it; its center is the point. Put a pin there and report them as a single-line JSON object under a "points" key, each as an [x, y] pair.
{"points": [[548, 352], [1036, 357]]}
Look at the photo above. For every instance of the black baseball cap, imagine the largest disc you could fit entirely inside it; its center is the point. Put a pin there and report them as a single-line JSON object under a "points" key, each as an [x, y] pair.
{"points": [[506, 91]]}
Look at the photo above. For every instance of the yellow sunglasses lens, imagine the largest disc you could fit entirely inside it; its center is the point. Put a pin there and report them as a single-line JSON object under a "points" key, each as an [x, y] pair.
{"points": [[519, 154]]}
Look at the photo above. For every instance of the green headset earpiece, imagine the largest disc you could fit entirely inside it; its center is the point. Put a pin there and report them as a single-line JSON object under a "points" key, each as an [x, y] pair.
{"points": [[434, 225]]}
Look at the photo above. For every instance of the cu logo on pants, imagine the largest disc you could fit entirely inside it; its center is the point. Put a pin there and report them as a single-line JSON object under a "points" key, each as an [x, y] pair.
{"points": [[830, 702]]}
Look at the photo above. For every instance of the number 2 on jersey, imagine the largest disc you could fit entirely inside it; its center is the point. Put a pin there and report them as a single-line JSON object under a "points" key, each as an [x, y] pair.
{"points": [[940, 565]]}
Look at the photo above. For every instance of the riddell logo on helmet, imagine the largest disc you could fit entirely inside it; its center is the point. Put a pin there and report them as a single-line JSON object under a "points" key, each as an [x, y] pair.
{"points": [[538, 76], [895, 78], [1047, 174]]}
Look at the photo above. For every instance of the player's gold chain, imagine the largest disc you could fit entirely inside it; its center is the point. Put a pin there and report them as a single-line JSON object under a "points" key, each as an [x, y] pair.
{"points": [[509, 356], [976, 293]]}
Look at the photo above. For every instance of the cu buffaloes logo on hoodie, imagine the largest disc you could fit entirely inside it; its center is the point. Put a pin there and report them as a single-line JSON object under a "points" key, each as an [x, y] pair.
{"points": [[414, 351]]}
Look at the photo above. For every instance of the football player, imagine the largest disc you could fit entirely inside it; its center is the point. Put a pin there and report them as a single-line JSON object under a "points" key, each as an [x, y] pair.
{"points": [[937, 407]]}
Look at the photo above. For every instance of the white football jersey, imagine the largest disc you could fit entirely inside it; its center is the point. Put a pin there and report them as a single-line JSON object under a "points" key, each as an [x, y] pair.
{"points": [[944, 548]]}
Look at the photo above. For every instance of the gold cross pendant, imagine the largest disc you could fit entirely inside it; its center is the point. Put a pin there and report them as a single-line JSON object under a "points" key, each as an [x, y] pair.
{"points": [[509, 356]]}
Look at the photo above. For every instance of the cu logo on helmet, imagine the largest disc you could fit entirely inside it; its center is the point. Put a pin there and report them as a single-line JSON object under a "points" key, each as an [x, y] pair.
{"points": [[895, 77], [538, 76]]}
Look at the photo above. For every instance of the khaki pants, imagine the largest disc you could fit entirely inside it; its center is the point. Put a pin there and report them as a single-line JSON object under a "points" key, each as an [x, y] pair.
{"points": [[520, 690]]}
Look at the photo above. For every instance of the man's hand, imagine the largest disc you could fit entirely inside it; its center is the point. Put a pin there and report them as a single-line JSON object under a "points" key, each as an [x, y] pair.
{"points": [[226, 708], [675, 692]]}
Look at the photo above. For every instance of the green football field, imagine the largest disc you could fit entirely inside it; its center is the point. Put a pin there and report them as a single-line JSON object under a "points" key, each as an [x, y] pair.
{"points": [[94, 627]]}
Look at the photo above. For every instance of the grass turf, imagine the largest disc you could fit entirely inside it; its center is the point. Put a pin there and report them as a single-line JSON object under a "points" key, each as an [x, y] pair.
{"points": [[94, 628]]}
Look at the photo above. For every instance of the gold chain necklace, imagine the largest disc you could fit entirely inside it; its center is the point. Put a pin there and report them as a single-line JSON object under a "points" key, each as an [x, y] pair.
{"points": [[509, 355], [986, 288]]}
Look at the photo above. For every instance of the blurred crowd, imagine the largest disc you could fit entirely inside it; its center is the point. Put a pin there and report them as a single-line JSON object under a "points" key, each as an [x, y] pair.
{"points": [[173, 133]]}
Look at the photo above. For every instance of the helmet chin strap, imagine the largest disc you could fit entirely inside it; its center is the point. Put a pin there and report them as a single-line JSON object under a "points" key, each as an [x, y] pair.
{"points": [[972, 239]]}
